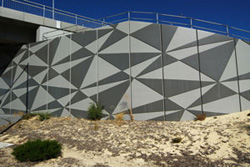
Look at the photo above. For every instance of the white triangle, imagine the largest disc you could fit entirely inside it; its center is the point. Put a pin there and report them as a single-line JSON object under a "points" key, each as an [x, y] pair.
{"points": [[206, 78], [39, 77], [103, 39], [106, 69], [225, 105], [19, 57], [19, 70], [186, 99], [184, 53], [92, 47], [171, 112], [204, 34], [230, 70], [90, 91], [65, 48], [4, 98], [65, 66], [206, 47], [140, 91], [245, 104], [64, 100], [137, 69], [17, 105], [121, 46], [20, 92], [243, 51], [180, 71], [1, 111], [156, 74], [244, 85], [40, 98], [66, 113], [233, 85], [20, 80], [35, 61], [136, 25], [187, 116], [182, 37], [38, 46], [204, 90], [138, 46], [125, 102], [91, 76], [82, 105], [60, 82], [102, 88], [123, 26], [3, 84], [148, 116]]}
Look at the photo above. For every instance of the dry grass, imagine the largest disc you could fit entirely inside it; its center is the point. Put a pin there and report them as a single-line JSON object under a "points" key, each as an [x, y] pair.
{"points": [[200, 117]]}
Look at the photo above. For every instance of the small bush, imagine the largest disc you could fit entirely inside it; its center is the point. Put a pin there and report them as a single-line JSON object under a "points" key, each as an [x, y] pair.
{"points": [[200, 117], [177, 140], [43, 116], [28, 116], [37, 150], [95, 111]]}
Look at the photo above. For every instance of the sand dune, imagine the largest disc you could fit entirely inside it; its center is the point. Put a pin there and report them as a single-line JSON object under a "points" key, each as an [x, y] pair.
{"points": [[216, 141]]}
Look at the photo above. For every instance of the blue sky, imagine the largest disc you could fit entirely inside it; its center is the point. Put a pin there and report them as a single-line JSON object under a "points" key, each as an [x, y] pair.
{"points": [[232, 12]]}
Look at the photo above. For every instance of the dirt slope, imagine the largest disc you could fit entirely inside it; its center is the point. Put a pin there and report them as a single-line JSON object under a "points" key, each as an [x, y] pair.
{"points": [[217, 141]]}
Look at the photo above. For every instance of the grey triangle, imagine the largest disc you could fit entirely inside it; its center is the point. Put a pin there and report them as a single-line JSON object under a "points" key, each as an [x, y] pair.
{"points": [[31, 97], [137, 58], [111, 97], [167, 59], [213, 39], [152, 36], [115, 36], [79, 113], [153, 66], [114, 78], [84, 38], [215, 69], [34, 70], [213, 94], [120, 61], [57, 113], [54, 104], [42, 53], [78, 97], [103, 32], [246, 94], [64, 60], [58, 92], [151, 107], [174, 116], [192, 61], [170, 105], [81, 53], [52, 49], [154, 84], [79, 72], [167, 35]]}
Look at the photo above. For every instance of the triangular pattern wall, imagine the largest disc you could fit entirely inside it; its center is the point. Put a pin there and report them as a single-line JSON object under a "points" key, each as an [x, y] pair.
{"points": [[161, 72]]}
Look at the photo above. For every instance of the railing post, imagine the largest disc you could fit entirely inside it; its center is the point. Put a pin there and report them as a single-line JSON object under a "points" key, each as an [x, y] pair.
{"points": [[43, 10], [76, 18], [128, 15], [103, 21], [157, 18], [191, 22], [227, 30], [2, 3]]}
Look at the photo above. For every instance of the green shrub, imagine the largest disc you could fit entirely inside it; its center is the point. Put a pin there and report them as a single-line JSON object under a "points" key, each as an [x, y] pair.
{"points": [[28, 116], [95, 111], [43, 116], [37, 150], [177, 140]]}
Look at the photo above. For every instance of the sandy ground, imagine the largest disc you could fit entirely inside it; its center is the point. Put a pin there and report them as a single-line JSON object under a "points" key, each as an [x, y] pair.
{"points": [[216, 141]]}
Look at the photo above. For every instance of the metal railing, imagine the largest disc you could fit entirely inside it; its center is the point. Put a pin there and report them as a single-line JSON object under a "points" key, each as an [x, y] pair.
{"points": [[48, 12], [159, 18], [175, 20]]}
